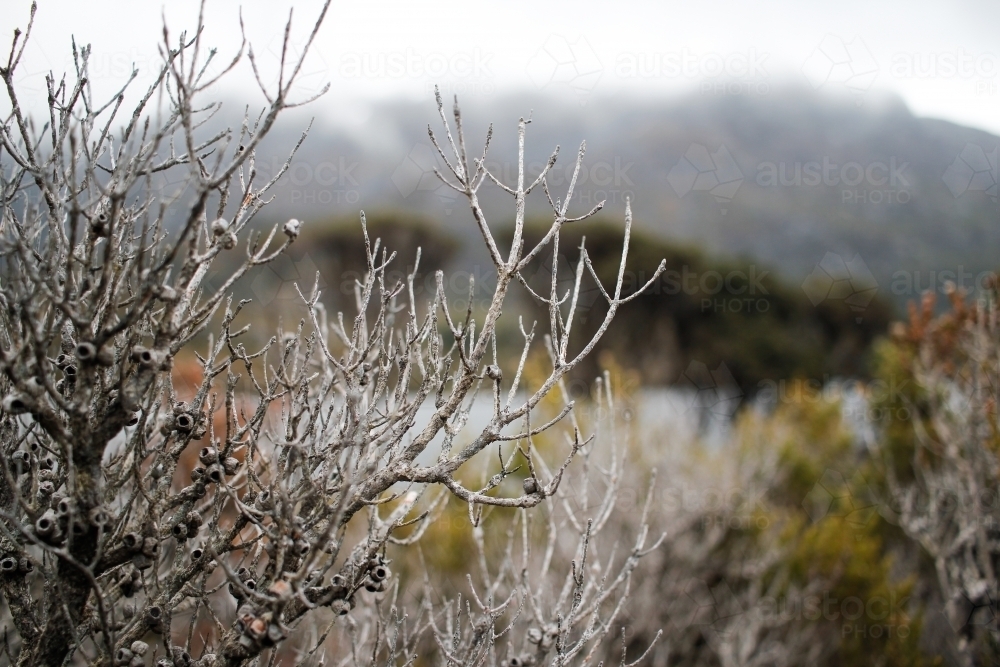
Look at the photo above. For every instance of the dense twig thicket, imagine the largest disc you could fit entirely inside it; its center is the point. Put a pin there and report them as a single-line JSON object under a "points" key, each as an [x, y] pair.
{"points": [[944, 475], [315, 453]]}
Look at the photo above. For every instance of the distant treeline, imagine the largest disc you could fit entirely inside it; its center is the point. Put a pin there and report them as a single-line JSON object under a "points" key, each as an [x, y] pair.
{"points": [[717, 311], [704, 309]]}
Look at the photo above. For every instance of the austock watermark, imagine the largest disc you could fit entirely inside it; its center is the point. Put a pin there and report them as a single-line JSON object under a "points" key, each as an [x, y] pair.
{"points": [[945, 64], [987, 88], [725, 508], [974, 169], [978, 609], [845, 496], [733, 291], [332, 181], [462, 88], [452, 73], [870, 399], [274, 284], [875, 182], [335, 180], [606, 180], [717, 173], [711, 395], [313, 77], [119, 65], [719, 608], [415, 174], [701, 170], [456, 283], [850, 65], [410, 63], [848, 279], [841, 279], [981, 69], [540, 282], [913, 283], [838, 63], [738, 290], [566, 63], [730, 73]]}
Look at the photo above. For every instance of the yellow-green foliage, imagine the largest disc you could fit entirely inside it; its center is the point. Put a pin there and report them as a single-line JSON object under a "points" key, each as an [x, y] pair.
{"points": [[860, 602], [448, 547], [831, 537], [901, 403], [830, 569]]}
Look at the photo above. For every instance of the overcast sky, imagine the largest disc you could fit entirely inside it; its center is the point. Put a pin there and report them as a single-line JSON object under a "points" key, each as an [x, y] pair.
{"points": [[942, 58]]}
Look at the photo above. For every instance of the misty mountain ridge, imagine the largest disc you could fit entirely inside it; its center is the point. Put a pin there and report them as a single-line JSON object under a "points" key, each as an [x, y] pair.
{"points": [[806, 184]]}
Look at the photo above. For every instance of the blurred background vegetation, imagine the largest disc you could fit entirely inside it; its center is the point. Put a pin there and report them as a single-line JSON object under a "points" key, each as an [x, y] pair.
{"points": [[769, 373]]}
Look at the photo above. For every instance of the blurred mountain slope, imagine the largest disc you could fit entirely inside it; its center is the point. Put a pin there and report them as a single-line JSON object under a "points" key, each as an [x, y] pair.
{"points": [[786, 178]]}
